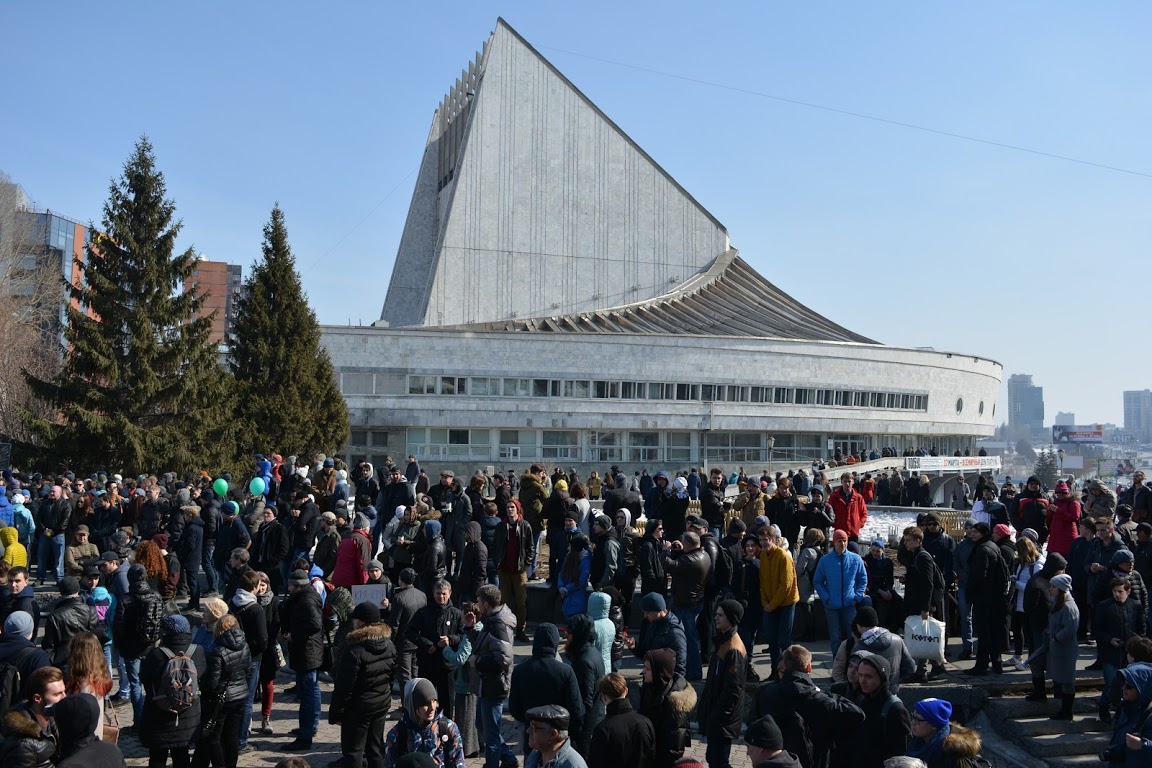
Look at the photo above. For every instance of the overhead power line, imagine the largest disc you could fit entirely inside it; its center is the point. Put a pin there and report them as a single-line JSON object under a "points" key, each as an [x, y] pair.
{"points": [[851, 113]]}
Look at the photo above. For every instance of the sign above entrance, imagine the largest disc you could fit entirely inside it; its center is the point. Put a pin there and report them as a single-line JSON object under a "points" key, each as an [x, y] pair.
{"points": [[952, 463]]}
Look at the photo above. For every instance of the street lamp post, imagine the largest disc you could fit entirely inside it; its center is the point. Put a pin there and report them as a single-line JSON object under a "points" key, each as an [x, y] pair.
{"points": [[771, 445], [1060, 454]]}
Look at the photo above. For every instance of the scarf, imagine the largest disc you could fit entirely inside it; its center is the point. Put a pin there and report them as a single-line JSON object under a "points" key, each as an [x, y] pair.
{"points": [[931, 750]]}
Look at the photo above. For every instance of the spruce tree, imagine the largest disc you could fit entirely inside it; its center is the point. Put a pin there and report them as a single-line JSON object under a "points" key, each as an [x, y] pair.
{"points": [[289, 398], [141, 389], [1047, 468]]}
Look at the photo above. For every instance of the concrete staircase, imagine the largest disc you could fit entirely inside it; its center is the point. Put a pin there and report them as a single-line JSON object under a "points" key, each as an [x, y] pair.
{"points": [[1057, 743]]}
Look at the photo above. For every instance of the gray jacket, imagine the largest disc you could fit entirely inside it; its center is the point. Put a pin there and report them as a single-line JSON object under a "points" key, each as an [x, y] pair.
{"points": [[1060, 640], [883, 643], [566, 757]]}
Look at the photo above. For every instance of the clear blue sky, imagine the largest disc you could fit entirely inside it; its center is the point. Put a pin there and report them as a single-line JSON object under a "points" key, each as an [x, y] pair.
{"points": [[911, 238]]}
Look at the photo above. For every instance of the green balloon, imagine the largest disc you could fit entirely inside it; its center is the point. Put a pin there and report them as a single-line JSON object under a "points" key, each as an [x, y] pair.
{"points": [[220, 486], [256, 487]]}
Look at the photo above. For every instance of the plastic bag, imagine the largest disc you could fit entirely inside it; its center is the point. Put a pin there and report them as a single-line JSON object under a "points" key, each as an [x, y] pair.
{"points": [[925, 638]]}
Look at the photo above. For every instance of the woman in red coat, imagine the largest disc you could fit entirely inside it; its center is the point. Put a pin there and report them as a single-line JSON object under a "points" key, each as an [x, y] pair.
{"points": [[1063, 519]]}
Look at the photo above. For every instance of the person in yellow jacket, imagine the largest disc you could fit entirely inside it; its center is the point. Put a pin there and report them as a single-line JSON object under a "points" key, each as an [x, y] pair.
{"points": [[779, 593], [14, 552]]}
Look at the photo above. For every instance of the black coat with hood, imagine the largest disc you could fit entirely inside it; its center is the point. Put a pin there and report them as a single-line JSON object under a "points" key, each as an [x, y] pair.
{"points": [[302, 618], [650, 563], [26, 744], [160, 729], [137, 623], [226, 680], [623, 739], [191, 549], [474, 569], [71, 616], [544, 679], [587, 663], [425, 629], [668, 706], [76, 720], [810, 720], [364, 676], [879, 737]]}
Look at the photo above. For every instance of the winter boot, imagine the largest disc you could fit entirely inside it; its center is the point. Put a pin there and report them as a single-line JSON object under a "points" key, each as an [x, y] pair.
{"points": [[1065, 713], [1037, 694]]}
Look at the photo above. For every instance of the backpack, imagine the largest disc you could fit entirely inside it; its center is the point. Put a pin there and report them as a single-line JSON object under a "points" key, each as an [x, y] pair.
{"points": [[10, 682], [178, 683]]}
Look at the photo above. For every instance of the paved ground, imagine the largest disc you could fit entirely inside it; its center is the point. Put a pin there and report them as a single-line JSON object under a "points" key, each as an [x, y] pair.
{"points": [[268, 749]]}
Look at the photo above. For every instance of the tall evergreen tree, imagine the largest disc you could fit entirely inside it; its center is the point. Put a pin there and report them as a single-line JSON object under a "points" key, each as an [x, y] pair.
{"points": [[141, 389], [1047, 468], [289, 398]]}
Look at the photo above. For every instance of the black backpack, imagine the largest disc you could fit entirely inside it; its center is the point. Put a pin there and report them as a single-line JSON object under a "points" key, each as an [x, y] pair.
{"points": [[10, 683]]}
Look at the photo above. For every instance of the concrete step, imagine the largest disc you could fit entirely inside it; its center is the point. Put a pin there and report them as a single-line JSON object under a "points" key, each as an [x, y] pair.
{"points": [[1044, 726], [1075, 761], [1060, 745], [1003, 709]]}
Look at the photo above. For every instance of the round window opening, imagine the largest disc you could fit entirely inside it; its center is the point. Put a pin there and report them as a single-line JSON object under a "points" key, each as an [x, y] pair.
{"points": [[981, 408], [959, 404]]}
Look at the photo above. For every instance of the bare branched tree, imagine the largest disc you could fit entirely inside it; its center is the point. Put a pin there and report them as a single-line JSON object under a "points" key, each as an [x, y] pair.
{"points": [[31, 297]]}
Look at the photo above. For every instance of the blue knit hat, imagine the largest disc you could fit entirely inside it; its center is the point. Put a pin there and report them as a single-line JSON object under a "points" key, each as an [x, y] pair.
{"points": [[174, 625], [936, 712]]}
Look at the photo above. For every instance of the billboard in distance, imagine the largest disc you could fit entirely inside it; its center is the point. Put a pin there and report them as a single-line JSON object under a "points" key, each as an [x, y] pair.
{"points": [[1078, 433]]}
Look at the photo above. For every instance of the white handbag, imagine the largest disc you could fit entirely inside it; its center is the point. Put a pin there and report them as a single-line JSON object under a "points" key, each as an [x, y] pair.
{"points": [[925, 638]]}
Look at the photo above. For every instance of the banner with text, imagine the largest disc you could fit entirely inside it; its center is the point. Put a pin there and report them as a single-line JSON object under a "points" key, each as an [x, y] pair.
{"points": [[1078, 433], [952, 463]]}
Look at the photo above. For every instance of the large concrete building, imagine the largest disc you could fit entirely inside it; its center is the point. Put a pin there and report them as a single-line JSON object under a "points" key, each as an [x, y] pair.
{"points": [[559, 297], [1138, 414], [1025, 403], [220, 284]]}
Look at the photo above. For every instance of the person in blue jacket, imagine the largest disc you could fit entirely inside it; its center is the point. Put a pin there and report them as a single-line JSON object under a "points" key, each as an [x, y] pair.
{"points": [[841, 580], [1131, 742], [573, 582]]}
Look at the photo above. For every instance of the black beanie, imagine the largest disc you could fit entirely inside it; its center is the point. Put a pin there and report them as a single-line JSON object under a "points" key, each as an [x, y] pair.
{"points": [[733, 611]]}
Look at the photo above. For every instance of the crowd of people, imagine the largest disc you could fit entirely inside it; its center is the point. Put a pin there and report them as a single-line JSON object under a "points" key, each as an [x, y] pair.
{"points": [[194, 594]]}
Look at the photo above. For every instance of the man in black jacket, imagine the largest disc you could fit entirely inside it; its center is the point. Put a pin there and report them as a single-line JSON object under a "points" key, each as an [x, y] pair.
{"points": [[305, 520], [712, 501], [301, 621], [246, 607], [20, 596], [987, 591], [434, 627], [544, 679], [135, 628], [625, 738], [270, 548], [70, 616], [688, 564], [17, 648], [407, 601], [513, 551], [363, 690], [53, 521], [650, 559], [922, 586]]}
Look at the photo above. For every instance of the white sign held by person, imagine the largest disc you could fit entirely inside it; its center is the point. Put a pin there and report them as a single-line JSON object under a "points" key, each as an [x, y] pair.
{"points": [[369, 593]]}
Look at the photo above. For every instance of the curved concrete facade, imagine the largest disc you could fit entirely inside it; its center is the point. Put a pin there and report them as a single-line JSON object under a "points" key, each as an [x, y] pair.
{"points": [[559, 297], [380, 368]]}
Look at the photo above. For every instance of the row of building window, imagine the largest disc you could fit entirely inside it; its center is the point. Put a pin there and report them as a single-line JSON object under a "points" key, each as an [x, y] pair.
{"points": [[606, 446], [596, 389]]}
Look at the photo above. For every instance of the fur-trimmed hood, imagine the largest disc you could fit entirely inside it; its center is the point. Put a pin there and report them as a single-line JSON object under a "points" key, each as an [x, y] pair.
{"points": [[18, 724], [368, 634], [962, 742], [682, 701]]}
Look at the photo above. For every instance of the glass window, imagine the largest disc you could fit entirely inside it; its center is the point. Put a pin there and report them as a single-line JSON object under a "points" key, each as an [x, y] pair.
{"points": [[483, 386], [782, 395], [539, 387], [447, 385], [576, 389], [517, 387], [560, 444], [459, 436], [421, 385], [687, 391], [760, 395], [643, 446], [889, 400], [708, 392], [509, 437], [378, 439], [679, 446], [604, 446], [656, 391], [358, 437], [804, 396], [736, 394]]}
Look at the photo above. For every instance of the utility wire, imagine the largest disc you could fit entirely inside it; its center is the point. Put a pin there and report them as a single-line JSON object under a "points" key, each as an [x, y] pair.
{"points": [[367, 216], [850, 113]]}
